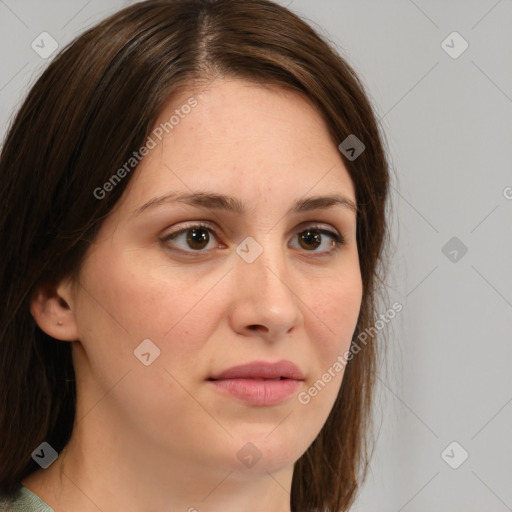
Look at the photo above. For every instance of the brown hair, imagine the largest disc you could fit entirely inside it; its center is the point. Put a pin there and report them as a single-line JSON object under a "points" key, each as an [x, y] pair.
{"points": [[91, 108]]}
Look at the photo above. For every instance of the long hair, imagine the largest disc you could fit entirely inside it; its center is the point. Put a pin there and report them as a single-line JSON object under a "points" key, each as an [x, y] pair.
{"points": [[94, 105]]}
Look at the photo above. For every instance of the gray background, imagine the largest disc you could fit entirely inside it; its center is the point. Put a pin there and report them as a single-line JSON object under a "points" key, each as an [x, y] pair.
{"points": [[448, 124]]}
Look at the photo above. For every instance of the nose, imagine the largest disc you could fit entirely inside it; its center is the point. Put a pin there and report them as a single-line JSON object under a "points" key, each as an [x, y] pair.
{"points": [[265, 297]]}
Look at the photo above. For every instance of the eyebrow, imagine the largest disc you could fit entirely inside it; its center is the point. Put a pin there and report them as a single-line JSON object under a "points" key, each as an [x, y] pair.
{"points": [[214, 201]]}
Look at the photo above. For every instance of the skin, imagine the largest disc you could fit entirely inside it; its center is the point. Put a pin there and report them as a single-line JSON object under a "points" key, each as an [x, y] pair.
{"points": [[160, 437]]}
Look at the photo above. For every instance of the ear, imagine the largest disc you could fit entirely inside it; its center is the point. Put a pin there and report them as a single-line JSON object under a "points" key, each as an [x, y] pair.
{"points": [[51, 306]]}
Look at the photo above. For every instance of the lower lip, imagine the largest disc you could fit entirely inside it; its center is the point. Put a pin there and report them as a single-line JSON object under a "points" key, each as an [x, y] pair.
{"points": [[258, 392]]}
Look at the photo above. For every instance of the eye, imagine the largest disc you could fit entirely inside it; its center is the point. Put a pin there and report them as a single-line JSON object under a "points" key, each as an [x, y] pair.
{"points": [[313, 237], [196, 236]]}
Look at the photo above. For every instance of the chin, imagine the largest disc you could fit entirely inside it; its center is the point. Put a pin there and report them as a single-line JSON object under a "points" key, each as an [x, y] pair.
{"points": [[264, 453]]}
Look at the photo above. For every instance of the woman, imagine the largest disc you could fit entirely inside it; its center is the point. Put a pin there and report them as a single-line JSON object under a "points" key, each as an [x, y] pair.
{"points": [[194, 212]]}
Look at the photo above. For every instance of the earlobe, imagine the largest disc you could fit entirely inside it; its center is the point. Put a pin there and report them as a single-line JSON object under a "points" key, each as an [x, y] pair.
{"points": [[51, 307]]}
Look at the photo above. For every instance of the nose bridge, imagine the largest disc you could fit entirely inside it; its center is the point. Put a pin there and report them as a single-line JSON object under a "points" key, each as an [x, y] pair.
{"points": [[263, 284], [263, 261]]}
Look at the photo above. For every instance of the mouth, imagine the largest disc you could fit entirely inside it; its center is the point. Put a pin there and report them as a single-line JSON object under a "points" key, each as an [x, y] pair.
{"points": [[259, 383], [255, 378], [257, 392], [262, 370]]}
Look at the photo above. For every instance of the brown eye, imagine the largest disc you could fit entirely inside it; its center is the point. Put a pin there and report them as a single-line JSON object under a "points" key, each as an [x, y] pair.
{"points": [[197, 238], [310, 239], [192, 238], [313, 237]]}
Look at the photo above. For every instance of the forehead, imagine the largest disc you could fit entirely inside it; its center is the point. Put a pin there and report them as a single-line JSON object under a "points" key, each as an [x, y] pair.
{"points": [[242, 139]]}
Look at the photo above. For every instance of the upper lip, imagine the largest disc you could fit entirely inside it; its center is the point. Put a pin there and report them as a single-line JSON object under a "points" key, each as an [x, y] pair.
{"points": [[261, 370]]}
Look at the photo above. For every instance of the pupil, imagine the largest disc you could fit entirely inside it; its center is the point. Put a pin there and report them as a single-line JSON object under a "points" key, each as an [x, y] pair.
{"points": [[311, 237], [197, 236]]}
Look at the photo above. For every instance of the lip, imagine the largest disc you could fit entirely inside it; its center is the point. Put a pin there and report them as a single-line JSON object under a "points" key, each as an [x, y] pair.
{"points": [[259, 383], [261, 370]]}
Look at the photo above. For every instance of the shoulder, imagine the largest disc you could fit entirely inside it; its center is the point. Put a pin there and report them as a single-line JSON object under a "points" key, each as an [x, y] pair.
{"points": [[23, 501]]}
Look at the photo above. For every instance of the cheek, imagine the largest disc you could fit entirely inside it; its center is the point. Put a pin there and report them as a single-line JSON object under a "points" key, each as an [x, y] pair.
{"points": [[118, 308], [337, 310], [127, 300], [332, 325]]}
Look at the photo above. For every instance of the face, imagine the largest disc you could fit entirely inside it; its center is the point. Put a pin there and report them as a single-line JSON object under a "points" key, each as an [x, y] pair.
{"points": [[213, 288]]}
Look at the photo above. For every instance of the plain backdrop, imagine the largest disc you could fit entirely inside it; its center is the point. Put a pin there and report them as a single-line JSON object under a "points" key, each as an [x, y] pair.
{"points": [[444, 100]]}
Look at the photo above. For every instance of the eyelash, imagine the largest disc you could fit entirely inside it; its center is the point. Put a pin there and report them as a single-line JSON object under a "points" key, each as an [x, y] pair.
{"points": [[339, 241]]}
